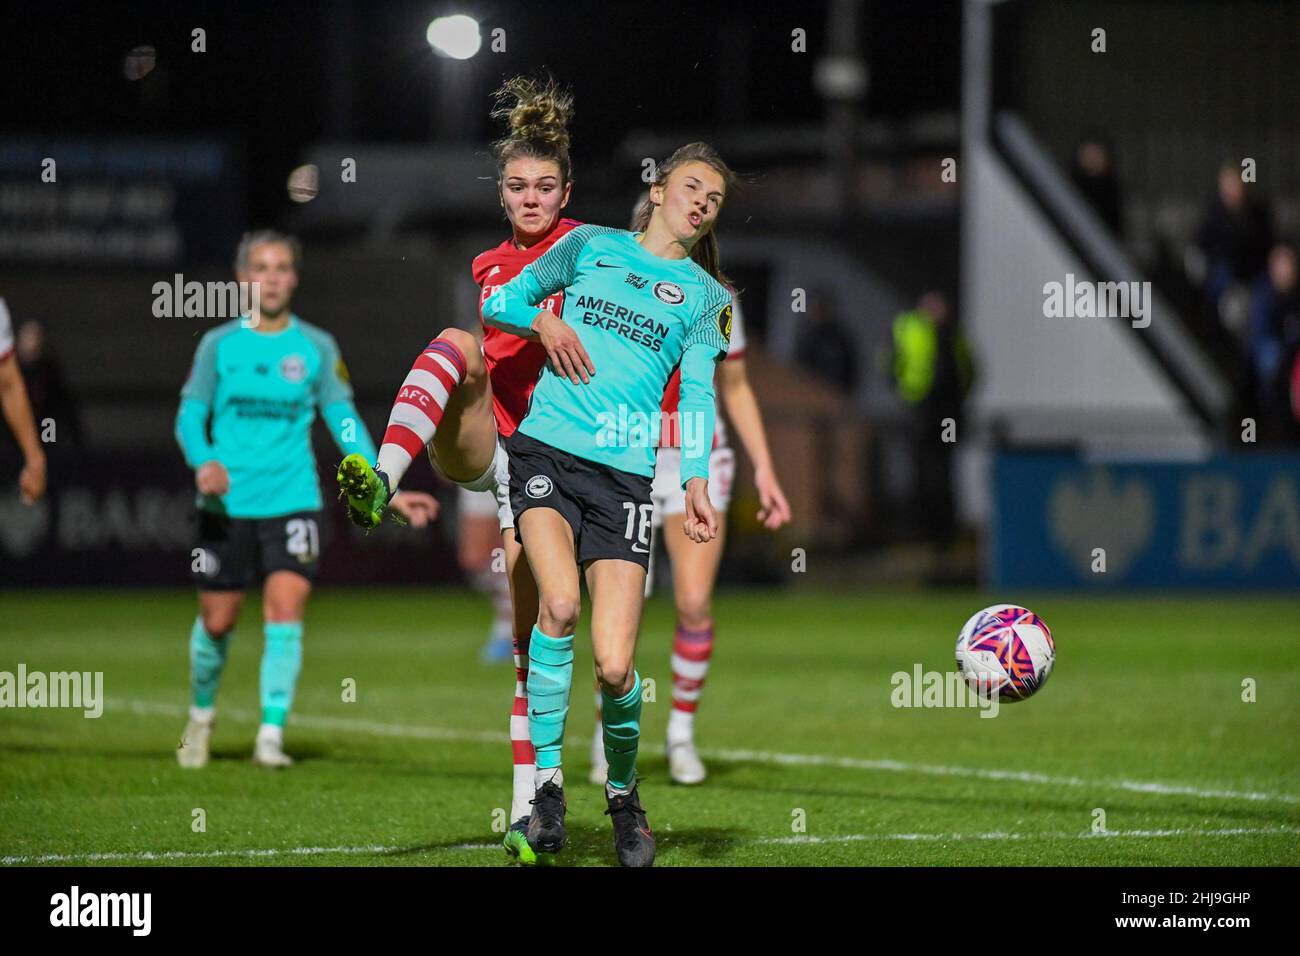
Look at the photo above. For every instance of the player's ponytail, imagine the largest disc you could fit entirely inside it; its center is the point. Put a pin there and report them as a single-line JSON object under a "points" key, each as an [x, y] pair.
{"points": [[537, 113], [705, 253]]}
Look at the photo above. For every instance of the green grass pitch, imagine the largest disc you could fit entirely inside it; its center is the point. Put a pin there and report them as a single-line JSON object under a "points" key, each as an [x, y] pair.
{"points": [[810, 764]]}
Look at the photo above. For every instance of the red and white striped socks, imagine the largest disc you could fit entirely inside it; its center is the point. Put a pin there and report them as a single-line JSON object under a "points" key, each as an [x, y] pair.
{"points": [[419, 406], [691, 652], [521, 744]]}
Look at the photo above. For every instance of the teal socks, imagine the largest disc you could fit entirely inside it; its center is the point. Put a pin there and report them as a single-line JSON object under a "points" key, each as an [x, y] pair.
{"points": [[550, 677], [207, 661], [622, 720], [281, 662]]}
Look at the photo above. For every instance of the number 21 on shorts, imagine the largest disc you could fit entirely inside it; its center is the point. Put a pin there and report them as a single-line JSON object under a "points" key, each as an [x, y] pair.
{"points": [[642, 527], [303, 540]]}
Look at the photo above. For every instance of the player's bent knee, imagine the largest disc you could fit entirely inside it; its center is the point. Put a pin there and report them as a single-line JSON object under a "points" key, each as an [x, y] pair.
{"points": [[469, 348], [695, 612], [559, 612], [615, 675], [219, 623]]}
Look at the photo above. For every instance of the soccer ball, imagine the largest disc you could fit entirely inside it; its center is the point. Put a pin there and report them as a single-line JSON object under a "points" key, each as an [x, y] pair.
{"points": [[1007, 650]]}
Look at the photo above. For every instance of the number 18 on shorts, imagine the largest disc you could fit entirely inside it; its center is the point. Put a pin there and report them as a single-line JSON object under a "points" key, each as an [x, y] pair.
{"points": [[609, 510]]}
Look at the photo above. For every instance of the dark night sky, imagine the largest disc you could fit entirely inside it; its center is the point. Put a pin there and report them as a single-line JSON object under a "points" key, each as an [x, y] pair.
{"points": [[272, 72]]}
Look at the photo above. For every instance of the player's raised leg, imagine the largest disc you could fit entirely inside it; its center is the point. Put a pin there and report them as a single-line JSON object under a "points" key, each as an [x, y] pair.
{"points": [[695, 569], [210, 638], [284, 598], [464, 447], [550, 551], [617, 588], [447, 389]]}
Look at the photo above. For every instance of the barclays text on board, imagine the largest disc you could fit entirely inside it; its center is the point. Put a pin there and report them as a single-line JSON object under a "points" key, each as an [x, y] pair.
{"points": [[1227, 521]]}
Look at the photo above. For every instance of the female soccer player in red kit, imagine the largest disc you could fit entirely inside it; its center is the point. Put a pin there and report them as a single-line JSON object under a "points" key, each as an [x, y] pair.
{"points": [[535, 184], [457, 399]]}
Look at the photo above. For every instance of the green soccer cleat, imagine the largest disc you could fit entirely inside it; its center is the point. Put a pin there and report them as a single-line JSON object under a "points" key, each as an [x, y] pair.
{"points": [[366, 490], [516, 844]]}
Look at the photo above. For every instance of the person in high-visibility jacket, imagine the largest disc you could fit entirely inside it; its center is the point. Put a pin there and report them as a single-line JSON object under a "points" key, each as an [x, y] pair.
{"points": [[933, 370]]}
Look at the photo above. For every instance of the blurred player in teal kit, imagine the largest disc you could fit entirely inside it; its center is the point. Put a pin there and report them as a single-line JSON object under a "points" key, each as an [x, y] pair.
{"points": [[636, 307], [259, 381]]}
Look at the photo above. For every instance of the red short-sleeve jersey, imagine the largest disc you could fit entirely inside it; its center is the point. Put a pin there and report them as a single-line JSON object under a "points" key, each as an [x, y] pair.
{"points": [[514, 364]]}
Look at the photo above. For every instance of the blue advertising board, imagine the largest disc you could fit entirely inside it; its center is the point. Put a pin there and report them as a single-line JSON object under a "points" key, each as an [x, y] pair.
{"points": [[1225, 522], [123, 200]]}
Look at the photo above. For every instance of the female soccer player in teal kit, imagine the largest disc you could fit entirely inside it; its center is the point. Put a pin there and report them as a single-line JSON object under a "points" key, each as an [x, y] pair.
{"points": [[636, 306], [261, 381]]}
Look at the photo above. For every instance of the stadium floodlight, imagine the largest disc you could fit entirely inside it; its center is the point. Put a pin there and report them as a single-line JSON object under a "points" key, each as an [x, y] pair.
{"points": [[457, 37]]}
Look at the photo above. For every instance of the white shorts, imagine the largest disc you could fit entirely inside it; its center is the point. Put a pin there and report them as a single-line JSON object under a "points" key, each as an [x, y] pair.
{"points": [[666, 491], [669, 499], [490, 493]]}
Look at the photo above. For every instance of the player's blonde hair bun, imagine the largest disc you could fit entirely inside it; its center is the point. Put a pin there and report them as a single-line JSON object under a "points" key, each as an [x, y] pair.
{"points": [[537, 112]]}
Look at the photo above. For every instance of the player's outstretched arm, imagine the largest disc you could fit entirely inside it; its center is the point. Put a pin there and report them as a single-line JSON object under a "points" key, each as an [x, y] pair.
{"points": [[513, 307], [696, 417], [564, 350]]}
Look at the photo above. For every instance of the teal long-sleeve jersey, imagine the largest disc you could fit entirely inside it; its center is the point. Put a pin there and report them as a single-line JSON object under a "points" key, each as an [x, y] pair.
{"points": [[262, 392], [638, 316]]}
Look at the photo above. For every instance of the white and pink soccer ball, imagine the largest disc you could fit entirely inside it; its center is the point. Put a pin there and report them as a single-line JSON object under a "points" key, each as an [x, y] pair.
{"points": [[1007, 650]]}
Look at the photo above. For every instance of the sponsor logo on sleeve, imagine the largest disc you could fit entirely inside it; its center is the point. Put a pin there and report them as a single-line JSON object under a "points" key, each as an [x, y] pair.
{"points": [[724, 323]]}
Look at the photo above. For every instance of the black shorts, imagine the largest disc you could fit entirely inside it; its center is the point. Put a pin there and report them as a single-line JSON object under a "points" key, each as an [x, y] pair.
{"points": [[234, 553], [609, 510]]}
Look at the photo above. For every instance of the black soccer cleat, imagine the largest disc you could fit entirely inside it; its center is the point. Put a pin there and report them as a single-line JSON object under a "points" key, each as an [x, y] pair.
{"points": [[546, 824], [633, 841]]}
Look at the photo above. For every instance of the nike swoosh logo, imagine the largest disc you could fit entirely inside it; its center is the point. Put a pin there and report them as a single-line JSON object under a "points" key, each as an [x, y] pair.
{"points": [[608, 265]]}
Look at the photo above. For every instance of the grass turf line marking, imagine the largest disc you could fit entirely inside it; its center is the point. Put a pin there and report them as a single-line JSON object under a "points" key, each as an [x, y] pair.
{"points": [[733, 756], [163, 855], [146, 856], [999, 835]]}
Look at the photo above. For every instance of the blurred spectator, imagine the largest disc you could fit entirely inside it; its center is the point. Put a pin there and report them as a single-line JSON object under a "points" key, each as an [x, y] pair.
{"points": [[1274, 342], [1093, 172], [933, 369], [1235, 235], [825, 349], [46, 387]]}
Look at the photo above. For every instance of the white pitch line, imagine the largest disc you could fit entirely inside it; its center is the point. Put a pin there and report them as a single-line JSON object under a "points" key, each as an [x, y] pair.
{"points": [[802, 840], [148, 855], [740, 756], [984, 773], [998, 835]]}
